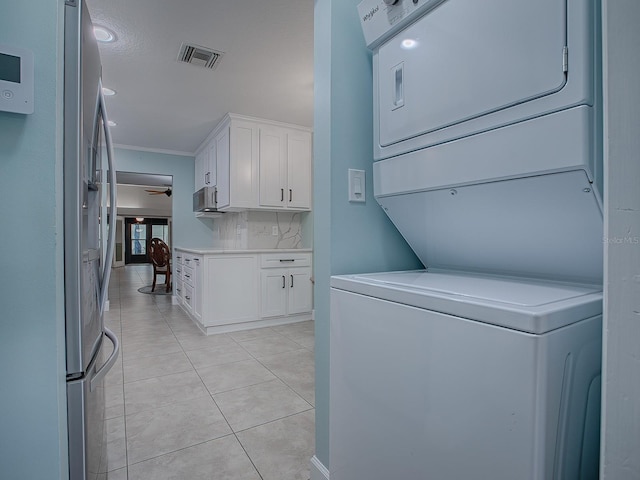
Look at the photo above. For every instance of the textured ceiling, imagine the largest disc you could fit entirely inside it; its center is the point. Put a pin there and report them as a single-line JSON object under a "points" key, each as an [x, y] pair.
{"points": [[162, 104]]}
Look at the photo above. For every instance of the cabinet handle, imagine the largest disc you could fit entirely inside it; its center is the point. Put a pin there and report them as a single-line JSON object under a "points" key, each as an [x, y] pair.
{"points": [[290, 195], [283, 281], [215, 197], [188, 276], [187, 297], [282, 194], [206, 178], [287, 260], [291, 281], [178, 290]]}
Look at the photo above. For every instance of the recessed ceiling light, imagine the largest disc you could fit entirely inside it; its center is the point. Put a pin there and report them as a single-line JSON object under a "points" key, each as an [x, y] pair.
{"points": [[107, 92], [103, 34], [111, 123], [409, 43]]}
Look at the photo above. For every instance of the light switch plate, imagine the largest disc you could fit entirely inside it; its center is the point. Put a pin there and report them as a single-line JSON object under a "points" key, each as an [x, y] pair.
{"points": [[357, 191]]}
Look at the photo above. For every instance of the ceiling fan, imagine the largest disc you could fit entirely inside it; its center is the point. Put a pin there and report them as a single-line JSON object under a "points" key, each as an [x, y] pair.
{"points": [[166, 192]]}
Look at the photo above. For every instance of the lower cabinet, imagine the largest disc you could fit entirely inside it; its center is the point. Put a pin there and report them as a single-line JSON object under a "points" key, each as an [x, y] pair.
{"points": [[285, 291], [224, 292], [229, 289]]}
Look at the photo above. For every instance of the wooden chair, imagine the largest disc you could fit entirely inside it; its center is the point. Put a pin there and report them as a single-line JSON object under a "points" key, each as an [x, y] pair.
{"points": [[160, 256]]}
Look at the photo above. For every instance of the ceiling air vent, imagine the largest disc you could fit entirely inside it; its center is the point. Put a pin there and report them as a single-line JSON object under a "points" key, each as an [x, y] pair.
{"points": [[199, 56]]}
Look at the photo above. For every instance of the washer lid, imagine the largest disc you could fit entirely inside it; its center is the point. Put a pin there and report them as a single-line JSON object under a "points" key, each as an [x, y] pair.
{"points": [[528, 305]]}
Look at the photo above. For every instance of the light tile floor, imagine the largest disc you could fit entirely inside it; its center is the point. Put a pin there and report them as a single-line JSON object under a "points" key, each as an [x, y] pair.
{"points": [[183, 405]]}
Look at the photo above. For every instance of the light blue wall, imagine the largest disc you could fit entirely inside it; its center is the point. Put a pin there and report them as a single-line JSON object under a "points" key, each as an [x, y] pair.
{"points": [[188, 231], [348, 237], [32, 368]]}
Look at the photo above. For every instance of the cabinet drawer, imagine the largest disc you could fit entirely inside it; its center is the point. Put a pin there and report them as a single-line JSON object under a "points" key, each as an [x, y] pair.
{"points": [[280, 260], [179, 257], [188, 296], [177, 271], [179, 289], [187, 275], [188, 260]]}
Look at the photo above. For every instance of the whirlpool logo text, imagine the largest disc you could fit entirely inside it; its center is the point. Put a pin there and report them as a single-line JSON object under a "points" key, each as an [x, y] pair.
{"points": [[370, 15]]}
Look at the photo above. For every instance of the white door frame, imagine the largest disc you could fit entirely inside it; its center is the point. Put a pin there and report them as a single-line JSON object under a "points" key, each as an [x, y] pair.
{"points": [[119, 262]]}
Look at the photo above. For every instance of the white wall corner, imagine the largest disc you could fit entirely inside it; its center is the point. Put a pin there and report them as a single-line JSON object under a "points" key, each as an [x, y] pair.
{"points": [[318, 470]]}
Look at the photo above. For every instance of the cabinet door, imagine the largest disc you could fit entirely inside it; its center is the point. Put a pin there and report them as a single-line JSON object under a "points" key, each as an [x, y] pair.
{"points": [[232, 292], [199, 171], [212, 166], [272, 167], [300, 291], [243, 165], [274, 288], [298, 194], [222, 167], [179, 291], [188, 297]]}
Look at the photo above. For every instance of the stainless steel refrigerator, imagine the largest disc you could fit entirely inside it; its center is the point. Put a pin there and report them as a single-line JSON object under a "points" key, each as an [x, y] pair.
{"points": [[88, 248]]}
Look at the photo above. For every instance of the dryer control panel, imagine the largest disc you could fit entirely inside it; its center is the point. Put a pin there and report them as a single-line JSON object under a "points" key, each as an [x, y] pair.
{"points": [[381, 19]]}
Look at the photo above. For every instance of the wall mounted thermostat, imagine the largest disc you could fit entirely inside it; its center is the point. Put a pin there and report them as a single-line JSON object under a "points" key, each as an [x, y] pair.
{"points": [[16, 80]]}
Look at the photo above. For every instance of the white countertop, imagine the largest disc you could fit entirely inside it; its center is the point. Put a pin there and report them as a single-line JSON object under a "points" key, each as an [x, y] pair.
{"points": [[219, 251]]}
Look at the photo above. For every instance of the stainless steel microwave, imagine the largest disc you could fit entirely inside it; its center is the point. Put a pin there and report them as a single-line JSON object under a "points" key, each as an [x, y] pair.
{"points": [[205, 200]]}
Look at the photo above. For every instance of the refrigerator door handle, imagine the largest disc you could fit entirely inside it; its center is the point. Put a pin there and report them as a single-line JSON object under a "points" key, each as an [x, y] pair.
{"points": [[106, 273], [100, 374]]}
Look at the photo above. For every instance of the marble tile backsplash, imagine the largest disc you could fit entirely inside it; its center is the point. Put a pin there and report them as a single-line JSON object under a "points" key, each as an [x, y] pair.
{"points": [[258, 230]]}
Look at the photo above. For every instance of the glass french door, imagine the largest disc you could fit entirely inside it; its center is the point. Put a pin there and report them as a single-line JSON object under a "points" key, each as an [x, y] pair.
{"points": [[138, 234]]}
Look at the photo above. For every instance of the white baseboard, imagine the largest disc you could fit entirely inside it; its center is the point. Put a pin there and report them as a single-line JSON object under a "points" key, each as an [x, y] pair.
{"points": [[318, 470]]}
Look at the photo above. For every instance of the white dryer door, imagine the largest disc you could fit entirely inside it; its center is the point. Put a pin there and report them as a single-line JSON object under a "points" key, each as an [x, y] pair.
{"points": [[467, 58]]}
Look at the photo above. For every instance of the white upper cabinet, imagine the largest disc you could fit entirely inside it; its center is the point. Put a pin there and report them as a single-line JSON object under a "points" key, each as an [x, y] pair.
{"points": [[221, 141], [273, 166], [237, 176], [298, 193], [200, 170], [206, 166], [210, 176], [285, 168], [259, 165]]}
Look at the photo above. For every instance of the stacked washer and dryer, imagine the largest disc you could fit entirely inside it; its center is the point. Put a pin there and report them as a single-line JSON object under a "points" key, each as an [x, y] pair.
{"points": [[485, 365]]}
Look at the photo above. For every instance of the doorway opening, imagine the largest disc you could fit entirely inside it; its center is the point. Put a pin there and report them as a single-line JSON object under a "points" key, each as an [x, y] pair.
{"points": [[144, 211]]}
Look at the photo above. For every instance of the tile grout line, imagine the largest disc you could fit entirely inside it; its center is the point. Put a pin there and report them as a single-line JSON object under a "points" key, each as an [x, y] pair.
{"points": [[274, 420]]}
